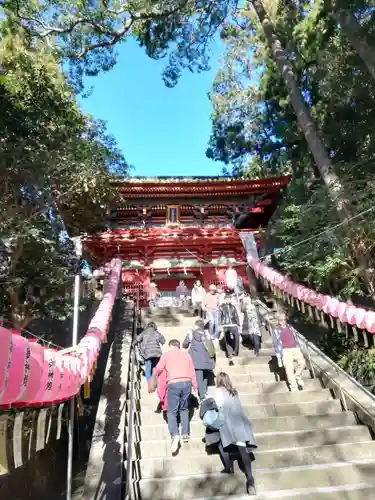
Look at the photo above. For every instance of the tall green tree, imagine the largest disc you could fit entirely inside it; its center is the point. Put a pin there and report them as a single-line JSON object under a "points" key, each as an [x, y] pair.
{"points": [[355, 33], [317, 148], [254, 125], [88, 33], [56, 169]]}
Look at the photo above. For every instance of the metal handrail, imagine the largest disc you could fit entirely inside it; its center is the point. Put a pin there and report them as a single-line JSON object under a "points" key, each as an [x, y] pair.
{"points": [[129, 451], [336, 367]]}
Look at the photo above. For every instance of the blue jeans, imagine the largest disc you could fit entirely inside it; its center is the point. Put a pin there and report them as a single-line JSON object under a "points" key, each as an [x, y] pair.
{"points": [[202, 382], [178, 395], [256, 342], [149, 366], [213, 323]]}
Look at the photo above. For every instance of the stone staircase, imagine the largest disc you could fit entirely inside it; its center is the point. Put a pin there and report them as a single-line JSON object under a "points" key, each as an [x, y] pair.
{"points": [[308, 448]]}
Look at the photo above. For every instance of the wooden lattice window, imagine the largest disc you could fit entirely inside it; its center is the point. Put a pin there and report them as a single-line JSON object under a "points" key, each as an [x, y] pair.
{"points": [[218, 283], [135, 289]]}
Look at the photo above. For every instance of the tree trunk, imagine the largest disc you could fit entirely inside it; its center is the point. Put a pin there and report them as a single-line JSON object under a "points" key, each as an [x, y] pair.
{"points": [[19, 313], [353, 31], [332, 182], [318, 150]]}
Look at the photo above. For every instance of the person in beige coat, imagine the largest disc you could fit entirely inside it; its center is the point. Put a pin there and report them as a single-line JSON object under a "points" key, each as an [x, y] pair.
{"points": [[286, 346]]}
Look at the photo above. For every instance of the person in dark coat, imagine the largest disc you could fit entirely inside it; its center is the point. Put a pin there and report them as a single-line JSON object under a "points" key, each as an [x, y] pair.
{"points": [[150, 341], [182, 292], [236, 433], [204, 364], [229, 322]]}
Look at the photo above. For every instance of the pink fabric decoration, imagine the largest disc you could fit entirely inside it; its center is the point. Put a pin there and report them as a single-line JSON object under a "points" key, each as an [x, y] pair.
{"points": [[14, 387], [370, 321], [334, 307], [360, 317], [294, 290], [350, 314], [347, 313], [32, 374], [35, 375], [5, 356], [319, 301], [341, 311]]}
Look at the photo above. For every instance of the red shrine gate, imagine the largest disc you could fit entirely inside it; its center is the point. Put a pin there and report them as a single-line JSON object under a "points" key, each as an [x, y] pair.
{"points": [[170, 229]]}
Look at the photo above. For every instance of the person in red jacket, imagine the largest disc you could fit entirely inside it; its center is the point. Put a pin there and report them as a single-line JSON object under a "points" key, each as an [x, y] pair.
{"points": [[181, 382]]}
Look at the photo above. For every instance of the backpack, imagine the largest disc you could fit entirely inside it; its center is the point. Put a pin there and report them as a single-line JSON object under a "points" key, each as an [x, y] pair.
{"points": [[209, 346], [213, 419], [207, 343], [150, 338]]}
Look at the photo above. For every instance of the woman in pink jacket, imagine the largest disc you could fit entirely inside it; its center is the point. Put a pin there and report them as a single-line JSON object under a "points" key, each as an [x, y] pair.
{"points": [[161, 389]]}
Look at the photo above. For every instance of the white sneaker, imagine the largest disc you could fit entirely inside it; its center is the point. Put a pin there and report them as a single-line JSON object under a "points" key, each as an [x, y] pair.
{"points": [[175, 443], [293, 388], [300, 383]]}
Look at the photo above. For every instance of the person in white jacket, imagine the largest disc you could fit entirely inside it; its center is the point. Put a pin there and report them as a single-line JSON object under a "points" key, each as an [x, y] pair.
{"points": [[197, 295]]}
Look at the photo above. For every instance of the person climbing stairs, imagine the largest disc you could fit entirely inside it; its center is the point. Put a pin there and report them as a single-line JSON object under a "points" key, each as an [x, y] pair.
{"points": [[308, 447]]}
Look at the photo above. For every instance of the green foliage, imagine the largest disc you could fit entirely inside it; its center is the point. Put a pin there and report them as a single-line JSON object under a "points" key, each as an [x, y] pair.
{"points": [[88, 33], [55, 171], [255, 131], [359, 362]]}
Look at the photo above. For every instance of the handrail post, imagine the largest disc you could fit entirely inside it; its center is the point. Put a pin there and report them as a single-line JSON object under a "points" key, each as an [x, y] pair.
{"points": [[129, 454], [312, 371]]}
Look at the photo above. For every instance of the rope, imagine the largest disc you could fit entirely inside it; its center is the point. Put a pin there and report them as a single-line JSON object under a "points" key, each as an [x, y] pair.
{"points": [[291, 246], [318, 235], [39, 338]]}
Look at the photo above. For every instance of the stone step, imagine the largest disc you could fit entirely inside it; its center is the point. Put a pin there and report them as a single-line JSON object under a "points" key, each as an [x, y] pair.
{"points": [[288, 457], [248, 388], [175, 327], [249, 361], [237, 368], [265, 441], [259, 411], [242, 376], [177, 332], [246, 353], [261, 399], [260, 425], [177, 321], [210, 485], [358, 491], [255, 375]]}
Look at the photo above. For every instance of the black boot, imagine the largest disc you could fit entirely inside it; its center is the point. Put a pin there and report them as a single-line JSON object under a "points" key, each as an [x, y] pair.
{"points": [[227, 470], [250, 487]]}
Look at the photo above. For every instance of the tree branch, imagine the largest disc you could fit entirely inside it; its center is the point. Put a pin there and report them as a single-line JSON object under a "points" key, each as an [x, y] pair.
{"points": [[115, 35]]}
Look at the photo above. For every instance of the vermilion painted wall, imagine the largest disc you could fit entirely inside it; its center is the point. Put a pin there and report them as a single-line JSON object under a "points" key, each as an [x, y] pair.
{"points": [[137, 283], [170, 284], [211, 276]]}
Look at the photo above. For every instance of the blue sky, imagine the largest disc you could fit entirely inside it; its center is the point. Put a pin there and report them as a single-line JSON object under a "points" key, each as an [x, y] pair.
{"points": [[161, 131]]}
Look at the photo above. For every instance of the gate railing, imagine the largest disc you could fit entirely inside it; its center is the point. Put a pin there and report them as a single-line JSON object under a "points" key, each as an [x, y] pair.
{"points": [[130, 420]]}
